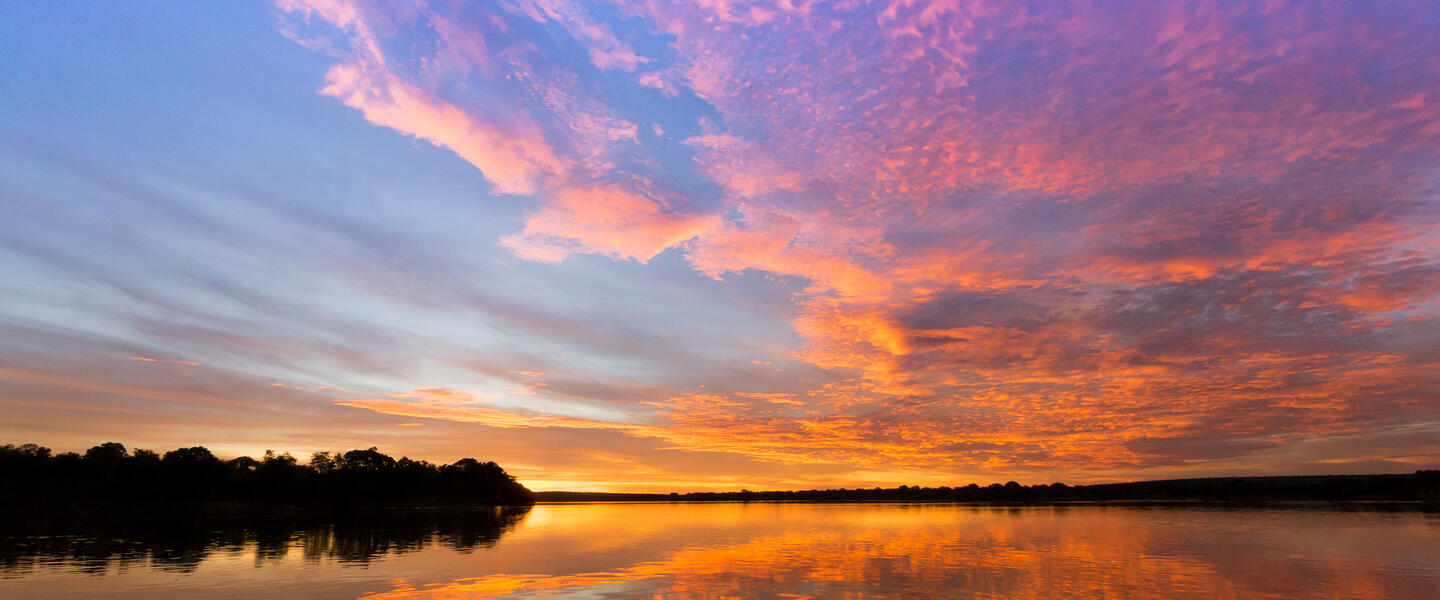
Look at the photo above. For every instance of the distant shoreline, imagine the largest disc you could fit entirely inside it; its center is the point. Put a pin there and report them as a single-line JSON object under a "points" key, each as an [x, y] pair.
{"points": [[1419, 487], [1226, 504]]}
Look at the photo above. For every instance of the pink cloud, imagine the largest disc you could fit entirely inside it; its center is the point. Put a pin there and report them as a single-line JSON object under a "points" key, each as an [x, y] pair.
{"points": [[604, 219], [515, 157], [606, 51]]}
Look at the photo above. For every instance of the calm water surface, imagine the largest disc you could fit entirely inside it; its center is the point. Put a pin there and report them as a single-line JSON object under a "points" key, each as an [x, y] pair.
{"points": [[755, 550]]}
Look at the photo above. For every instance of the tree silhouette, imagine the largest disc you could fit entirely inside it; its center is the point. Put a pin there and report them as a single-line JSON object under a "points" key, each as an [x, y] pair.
{"points": [[109, 474]]}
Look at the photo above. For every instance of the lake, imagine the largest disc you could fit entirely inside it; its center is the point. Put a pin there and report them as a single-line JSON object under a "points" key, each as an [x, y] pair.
{"points": [[751, 550]]}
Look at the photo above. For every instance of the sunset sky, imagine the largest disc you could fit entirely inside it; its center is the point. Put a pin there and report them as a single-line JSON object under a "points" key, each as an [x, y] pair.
{"points": [[641, 245]]}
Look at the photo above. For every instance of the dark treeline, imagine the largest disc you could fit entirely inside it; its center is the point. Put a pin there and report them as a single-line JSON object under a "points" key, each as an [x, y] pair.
{"points": [[108, 474], [180, 542], [1421, 486]]}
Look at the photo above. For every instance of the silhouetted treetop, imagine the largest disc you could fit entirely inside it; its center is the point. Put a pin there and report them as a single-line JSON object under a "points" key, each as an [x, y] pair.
{"points": [[108, 473]]}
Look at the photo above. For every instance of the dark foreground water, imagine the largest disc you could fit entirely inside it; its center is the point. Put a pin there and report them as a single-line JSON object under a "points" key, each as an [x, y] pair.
{"points": [[752, 550]]}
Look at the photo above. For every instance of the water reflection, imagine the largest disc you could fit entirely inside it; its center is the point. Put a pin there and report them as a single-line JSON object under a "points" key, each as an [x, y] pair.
{"points": [[769, 551], [182, 545], [966, 552]]}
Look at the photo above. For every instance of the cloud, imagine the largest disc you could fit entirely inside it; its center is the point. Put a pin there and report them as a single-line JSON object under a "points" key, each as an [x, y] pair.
{"points": [[157, 360], [432, 408], [1014, 237], [608, 220], [513, 156], [606, 51]]}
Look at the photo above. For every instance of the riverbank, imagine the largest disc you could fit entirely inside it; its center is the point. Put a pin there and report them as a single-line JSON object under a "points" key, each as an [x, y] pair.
{"points": [[1421, 486]]}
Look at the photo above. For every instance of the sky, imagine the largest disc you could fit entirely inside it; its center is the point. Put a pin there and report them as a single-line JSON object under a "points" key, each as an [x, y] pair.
{"points": [[640, 245]]}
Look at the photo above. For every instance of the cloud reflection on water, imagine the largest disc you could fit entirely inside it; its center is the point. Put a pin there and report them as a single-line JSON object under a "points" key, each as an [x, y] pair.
{"points": [[891, 551]]}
